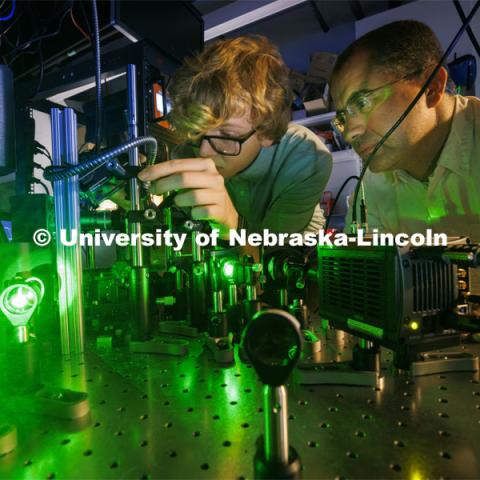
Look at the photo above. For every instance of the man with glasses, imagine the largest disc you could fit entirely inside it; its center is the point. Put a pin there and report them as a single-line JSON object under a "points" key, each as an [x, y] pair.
{"points": [[250, 167], [427, 173]]}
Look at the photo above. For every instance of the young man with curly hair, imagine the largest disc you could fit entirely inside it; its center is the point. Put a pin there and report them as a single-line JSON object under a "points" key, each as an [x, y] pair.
{"points": [[427, 174], [252, 168]]}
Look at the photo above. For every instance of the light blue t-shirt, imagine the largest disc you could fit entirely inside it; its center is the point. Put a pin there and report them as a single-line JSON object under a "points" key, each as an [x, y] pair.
{"points": [[282, 188]]}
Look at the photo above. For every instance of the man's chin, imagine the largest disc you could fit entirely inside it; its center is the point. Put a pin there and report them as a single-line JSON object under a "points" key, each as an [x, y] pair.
{"points": [[379, 164], [375, 168], [222, 172]]}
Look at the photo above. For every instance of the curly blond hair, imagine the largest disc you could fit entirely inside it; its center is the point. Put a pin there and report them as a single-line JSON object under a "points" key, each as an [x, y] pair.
{"points": [[229, 78]]}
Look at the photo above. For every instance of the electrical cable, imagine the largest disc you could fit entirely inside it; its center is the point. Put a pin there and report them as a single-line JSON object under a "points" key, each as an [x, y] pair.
{"points": [[16, 57], [28, 43], [42, 69], [344, 184], [409, 109], [10, 15], [470, 33], [98, 77], [41, 149], [63, 172], [17, 18], [39, 182], [85, 17], [78, 27], [329, 217]]}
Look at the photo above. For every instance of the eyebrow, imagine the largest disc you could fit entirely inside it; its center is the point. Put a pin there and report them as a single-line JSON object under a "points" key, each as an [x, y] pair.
{"points": [[232, 129]]}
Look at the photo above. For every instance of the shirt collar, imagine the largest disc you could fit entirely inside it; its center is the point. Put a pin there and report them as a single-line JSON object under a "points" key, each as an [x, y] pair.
{"points": [[258, 168], [455, 153]]}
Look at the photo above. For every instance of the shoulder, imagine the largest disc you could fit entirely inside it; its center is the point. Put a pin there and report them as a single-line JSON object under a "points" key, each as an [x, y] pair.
{"points": [[469, 106], [463, 144], [469, 102], [300, 136], [300, 160], [300, 147]]}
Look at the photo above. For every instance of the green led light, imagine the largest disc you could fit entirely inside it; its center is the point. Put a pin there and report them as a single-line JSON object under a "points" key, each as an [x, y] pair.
{"points": [[228, 269], [414, 325]]}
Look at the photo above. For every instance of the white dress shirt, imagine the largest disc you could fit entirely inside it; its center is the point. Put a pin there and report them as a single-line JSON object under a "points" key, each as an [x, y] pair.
{"points": [[449, 202]]}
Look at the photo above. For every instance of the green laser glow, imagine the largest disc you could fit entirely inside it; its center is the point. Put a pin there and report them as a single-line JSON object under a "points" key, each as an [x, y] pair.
{"points": [[228, 269], [20, 299]]}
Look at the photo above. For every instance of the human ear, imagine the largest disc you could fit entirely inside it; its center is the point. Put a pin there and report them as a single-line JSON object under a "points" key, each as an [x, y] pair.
{"points": [[436, 89]]}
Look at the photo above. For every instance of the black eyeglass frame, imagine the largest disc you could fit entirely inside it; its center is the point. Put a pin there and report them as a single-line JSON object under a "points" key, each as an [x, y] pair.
{"points": [[336, 121], [240, 140]]}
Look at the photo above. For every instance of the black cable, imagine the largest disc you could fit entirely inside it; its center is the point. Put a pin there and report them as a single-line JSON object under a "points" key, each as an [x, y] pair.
{"points": [[18, 55], [98, 77], [4, 32], [309, 252], [39, 182], [42, 149], [28, 43], [40, 80], [44, 154], [470, 33], [410, 107], [39, 149], [344, 184]]}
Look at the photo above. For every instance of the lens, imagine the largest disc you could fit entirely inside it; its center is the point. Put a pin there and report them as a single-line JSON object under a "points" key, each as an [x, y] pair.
{"points": [[274, 340], [363, 104], [227, 147], [338, 125], [228, 269], [20, 299]]}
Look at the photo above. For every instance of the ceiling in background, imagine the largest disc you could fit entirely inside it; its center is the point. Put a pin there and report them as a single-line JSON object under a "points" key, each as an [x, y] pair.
{"points": [[207, 6], [329, 13]]}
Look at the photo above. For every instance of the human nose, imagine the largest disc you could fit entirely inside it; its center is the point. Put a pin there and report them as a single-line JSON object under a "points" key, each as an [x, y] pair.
{"points": [[355, 126], [206, 149]]}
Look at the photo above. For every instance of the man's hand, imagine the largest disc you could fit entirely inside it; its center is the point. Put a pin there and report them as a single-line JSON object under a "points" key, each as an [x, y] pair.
{"points": [[200, 186]]}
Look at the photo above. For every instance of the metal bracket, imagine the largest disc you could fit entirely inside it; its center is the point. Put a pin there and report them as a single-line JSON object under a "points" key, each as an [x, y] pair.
{"points": [[433, 363], [180, 327], [162, 346], [222, 349], [340, 373]]}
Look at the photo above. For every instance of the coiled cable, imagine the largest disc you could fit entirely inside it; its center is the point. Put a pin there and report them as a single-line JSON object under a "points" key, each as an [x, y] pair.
{"points": [[63, 172]]}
